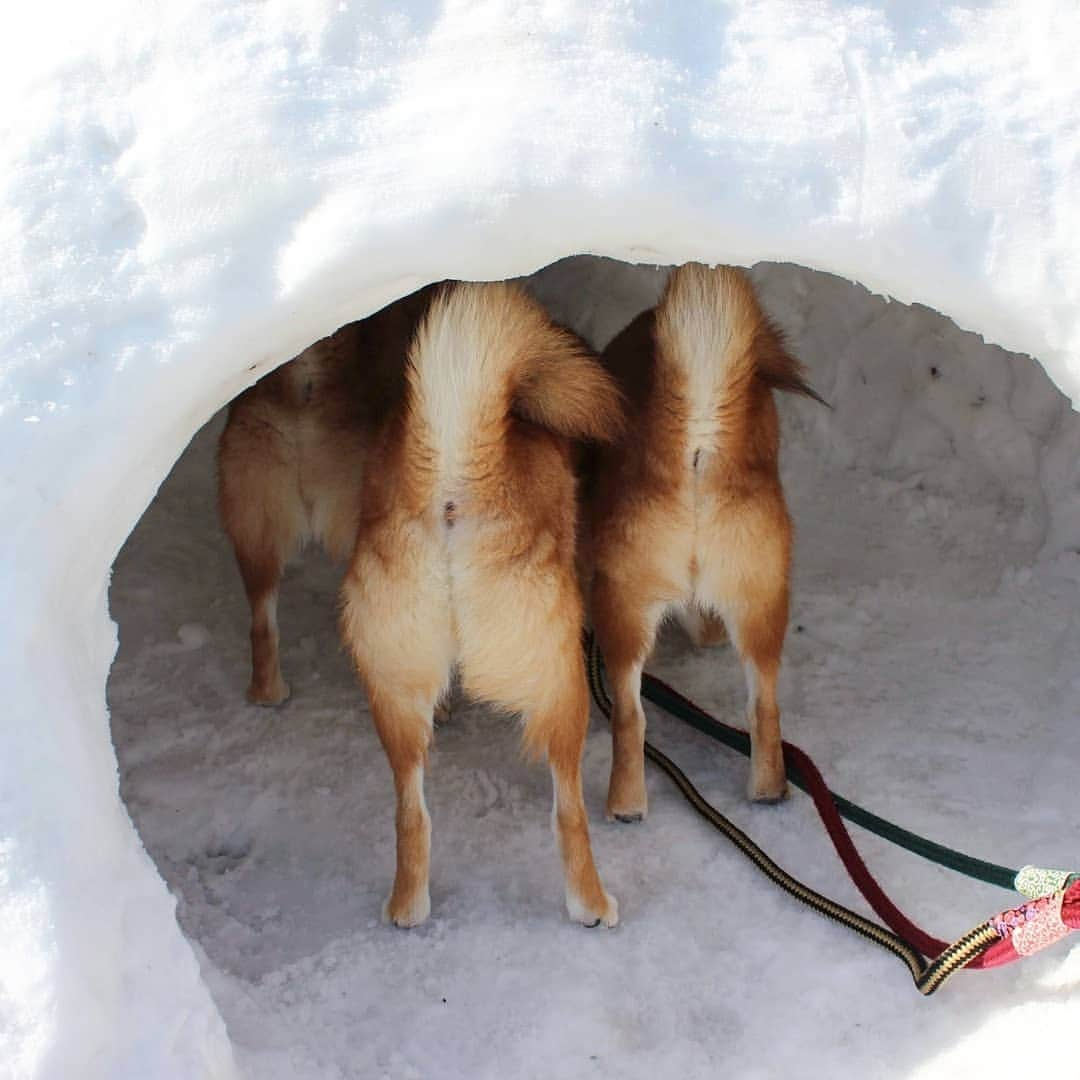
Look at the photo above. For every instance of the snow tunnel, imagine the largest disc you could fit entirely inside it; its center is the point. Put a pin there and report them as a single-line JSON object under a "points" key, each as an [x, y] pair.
{"points": [[188, 201]]}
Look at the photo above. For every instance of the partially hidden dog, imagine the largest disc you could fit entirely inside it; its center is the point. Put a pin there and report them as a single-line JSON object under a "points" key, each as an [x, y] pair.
{"points": [[686, 514], [465, 556], [290, 465]]}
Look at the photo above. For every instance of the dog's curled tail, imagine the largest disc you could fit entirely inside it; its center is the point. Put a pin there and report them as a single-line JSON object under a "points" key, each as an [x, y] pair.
{"points": [[485, 353], [710, 324]]}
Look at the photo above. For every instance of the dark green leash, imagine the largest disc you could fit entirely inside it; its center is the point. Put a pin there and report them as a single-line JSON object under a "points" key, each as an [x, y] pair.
{"points": [[659, 693], [1051, 913]]}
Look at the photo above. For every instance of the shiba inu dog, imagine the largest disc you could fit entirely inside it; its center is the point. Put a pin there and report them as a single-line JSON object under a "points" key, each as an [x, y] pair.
{"points": [[290, 465], [686, 512], [464, 553]]}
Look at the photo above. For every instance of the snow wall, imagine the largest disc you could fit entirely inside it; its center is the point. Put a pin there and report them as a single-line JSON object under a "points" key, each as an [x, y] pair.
{"points": [[192, 193]]}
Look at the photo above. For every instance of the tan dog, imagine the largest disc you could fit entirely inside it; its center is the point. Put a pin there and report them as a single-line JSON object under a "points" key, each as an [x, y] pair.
{"points": [[464, 556], [290, 465], [687, 514]]}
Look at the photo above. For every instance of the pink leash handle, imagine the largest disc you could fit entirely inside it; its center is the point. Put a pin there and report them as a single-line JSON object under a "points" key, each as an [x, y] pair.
{"points": [[1033, 926]]}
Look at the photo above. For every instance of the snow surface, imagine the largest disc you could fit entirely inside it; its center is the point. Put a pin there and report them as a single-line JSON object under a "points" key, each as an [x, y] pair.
{"points": [[929, 670], [190, 193]]}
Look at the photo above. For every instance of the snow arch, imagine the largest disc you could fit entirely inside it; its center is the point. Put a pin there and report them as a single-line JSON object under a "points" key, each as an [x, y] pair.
{"points": [[192, 194]]}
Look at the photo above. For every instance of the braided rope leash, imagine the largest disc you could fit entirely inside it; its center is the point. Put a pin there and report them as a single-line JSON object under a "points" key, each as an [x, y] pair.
{"points": [[1051, 912]]}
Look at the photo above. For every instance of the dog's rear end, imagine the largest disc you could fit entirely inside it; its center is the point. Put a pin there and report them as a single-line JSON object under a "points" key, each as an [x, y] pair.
{"points": [[288, 472], [688, 515], [465, 559], [291, 461]]}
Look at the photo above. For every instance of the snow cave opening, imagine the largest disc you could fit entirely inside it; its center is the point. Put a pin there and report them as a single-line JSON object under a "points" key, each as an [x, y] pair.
{"points": [[921, 500]]}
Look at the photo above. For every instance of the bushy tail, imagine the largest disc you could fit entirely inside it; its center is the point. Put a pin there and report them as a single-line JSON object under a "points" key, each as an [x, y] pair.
{"points": [[710, 325], [485, 353]]}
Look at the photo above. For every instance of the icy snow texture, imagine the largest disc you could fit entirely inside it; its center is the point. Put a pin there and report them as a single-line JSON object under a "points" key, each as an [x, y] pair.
{"points": [[191, 193]]}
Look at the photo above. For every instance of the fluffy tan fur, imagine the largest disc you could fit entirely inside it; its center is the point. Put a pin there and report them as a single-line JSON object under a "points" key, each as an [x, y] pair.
{"points": [[687, 514], [464, 556], [290, 464]]}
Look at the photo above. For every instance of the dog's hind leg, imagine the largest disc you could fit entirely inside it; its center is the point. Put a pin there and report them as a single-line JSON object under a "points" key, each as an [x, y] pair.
{"points": [[560, 728], [760, 635], [526, 658], [263, 516], [395, 621], [262, 578], [747, 581], [625, 627], [404, 728]]}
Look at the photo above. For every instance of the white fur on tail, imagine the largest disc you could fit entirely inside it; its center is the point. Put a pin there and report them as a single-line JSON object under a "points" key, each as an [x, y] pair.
{"points": [[697, 323], [457, 367], [486, 352]]}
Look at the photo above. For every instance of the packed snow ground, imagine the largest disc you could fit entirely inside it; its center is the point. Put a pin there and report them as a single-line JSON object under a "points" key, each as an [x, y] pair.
{"points": [[930, 669]]}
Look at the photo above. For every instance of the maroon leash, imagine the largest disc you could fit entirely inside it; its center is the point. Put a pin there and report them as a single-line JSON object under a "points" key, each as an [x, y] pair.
{"points": [[1050, 913]]}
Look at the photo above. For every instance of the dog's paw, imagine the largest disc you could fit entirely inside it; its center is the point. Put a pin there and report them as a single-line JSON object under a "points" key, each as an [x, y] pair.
{"points": [[768, 778], [605, 913], [767, 789], [627, 809], [276, 693], [409, 913]]}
